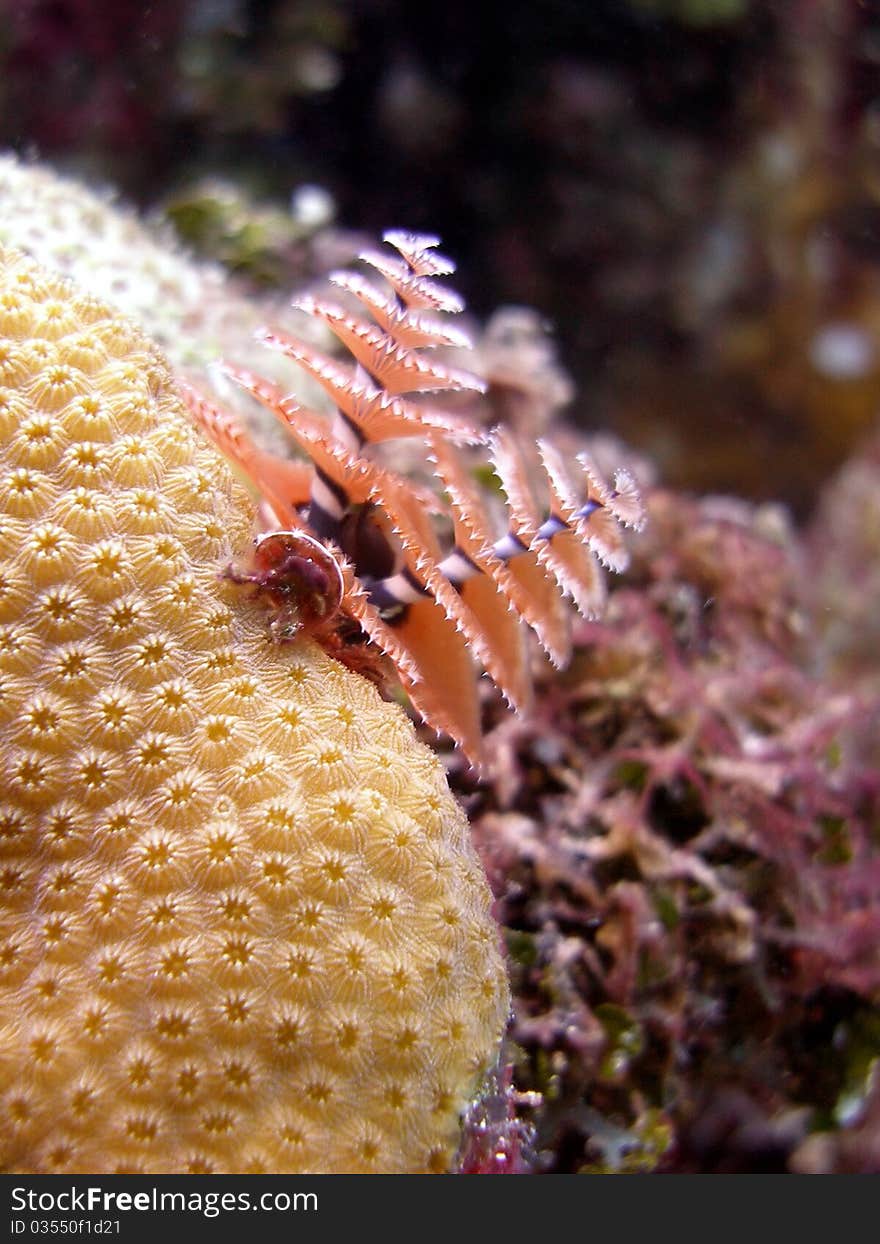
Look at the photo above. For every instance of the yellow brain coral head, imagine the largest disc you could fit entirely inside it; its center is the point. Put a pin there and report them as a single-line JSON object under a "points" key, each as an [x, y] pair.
{"points": [[242, 926]]}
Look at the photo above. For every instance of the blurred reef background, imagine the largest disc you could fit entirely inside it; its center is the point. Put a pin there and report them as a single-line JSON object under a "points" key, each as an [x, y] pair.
{"points": [[685, 841], [689, 190]]}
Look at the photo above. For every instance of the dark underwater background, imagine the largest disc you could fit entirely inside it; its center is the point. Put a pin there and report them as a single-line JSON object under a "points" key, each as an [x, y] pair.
{"points": [[688, 190]]}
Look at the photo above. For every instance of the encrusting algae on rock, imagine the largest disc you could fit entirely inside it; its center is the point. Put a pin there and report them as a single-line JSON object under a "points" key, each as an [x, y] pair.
{"points": [[242, 926]]}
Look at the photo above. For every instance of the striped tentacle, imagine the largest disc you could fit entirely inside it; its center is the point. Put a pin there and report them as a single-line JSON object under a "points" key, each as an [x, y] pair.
{"points": [[438, 608], [283, 483], [582, 529], [436, 625], [389, 361]]}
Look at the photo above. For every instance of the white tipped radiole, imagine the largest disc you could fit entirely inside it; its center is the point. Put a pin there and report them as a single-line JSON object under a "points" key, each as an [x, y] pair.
{"points": [[437, 609]]}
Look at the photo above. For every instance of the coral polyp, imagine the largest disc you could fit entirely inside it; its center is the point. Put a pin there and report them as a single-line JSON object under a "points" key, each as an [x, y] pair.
{"points": [[242, 927]]}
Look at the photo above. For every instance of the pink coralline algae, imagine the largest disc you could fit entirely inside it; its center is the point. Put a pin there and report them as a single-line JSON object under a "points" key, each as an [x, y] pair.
{"points": [[495, 1139], [684, 845]]}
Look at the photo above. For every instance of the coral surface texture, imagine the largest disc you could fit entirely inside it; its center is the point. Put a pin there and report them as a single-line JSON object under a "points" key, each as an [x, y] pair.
{"points": [[242, 927]]}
